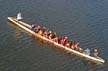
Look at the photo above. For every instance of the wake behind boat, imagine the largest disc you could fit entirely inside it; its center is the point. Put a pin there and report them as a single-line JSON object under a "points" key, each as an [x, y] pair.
{"points": [[29, 29]]}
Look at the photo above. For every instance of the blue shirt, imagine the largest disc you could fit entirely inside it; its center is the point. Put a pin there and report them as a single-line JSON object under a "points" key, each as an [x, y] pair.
{"points": [[87, 51]]}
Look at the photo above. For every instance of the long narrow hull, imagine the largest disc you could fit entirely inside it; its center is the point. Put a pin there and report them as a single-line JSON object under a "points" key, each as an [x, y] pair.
{"points": [[27, 27]]}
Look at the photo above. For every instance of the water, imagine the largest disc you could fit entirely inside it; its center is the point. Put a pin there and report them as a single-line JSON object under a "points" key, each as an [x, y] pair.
{"points": [[80, 20]]}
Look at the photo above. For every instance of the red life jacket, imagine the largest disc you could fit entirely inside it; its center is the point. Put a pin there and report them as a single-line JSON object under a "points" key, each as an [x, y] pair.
{"points": [[67, 44], [62, 41], [96, 53], [72, 47], [76, 45]]}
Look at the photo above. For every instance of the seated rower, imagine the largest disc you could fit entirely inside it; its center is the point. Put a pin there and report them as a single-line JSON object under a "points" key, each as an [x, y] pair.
{"points": [[59, 40], [65, 40], [45, 34], [55, 39], [40, 32], [72, 46], [54, 35], [96, 52], [70, 43], [43, 29], [81, 50], [33, 26], [50, 34], [87, 51], [67, 44], [76, 46], [36, 28]]}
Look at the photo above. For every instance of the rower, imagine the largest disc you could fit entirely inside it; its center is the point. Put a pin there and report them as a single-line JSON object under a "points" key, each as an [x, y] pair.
{"points": [[45, 34], [65, 40], [43, 29], [70, 43], [87, 51], [76, 45], [72, 46], [56, 39], [50, 34], [33, 26], [36, 28], [96, 52], [59, 40], [54, 35], [40, 32], [67, 43]]}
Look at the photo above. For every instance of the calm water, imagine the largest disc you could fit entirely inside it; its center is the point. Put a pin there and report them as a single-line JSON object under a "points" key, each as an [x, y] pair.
{"points": [[85, 21]]}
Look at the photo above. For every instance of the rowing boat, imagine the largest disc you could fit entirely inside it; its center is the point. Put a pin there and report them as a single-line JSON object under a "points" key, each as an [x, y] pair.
{"points": [[28, 27]]}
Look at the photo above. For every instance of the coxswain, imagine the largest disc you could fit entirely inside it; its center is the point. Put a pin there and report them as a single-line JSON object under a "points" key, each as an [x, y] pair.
{"points": [[96, 52]]}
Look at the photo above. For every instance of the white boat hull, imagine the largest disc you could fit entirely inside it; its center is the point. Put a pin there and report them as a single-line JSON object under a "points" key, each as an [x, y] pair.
{"points": [[27, 27]]}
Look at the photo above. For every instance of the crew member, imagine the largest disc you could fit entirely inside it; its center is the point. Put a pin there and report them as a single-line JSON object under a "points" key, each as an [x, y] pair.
{"points": [[96, 52], [67, 44], [76, 45], [54, 35], [55, 39], [87, 51], [33, 26], [65, 41], [40, 32], [45, 34], [72, 46], [50, 34], [59, 40], [36, 28], [70, 43]]}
